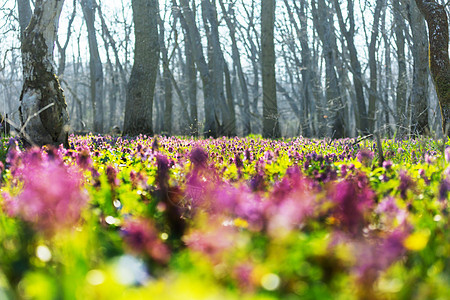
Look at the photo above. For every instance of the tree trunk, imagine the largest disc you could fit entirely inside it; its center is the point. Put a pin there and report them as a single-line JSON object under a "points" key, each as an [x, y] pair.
{"points": [[191, 79], [437, 21], [324, 26], [349, 35], [141, 87], [24, 9], [209, 95], [419, 93], [271, 126], [43, 109], [165, 80], [373, 66], [401, 88], [231, 21], [95, 64]]}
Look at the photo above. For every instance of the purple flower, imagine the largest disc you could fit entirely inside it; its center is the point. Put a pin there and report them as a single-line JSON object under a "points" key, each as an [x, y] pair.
{"points": [[51, 197], [406, 182], [111, 174], [141, 236], [387, 164], [198, 157], [365, 156], [84, 159], [447, 154], [444, 188], [352, 198], [163, 169]]}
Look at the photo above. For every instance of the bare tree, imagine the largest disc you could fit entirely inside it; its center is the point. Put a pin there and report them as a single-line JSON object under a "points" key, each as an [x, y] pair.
{"points": [[437, 21], [95, 64], [419, 92], [271, 127], [43, 109], [373, 65], [139, 104]]}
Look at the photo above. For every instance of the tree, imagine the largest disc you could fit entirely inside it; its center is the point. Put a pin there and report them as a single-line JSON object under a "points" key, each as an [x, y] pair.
{"points": [[373, 65], [24, 9], [419, 92], [323, 22], [271, 127], [230, 20], [438, 38], [355, 65], [141, 86], [401, 88], [95, 64], [43, 109]]}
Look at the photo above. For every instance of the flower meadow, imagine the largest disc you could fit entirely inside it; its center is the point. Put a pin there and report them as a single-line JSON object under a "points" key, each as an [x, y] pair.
{"points": [[228, 218]]}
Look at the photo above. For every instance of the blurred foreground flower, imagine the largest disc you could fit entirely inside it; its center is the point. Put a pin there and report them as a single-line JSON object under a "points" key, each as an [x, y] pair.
{"points": [[141, 237], [52, 197]]}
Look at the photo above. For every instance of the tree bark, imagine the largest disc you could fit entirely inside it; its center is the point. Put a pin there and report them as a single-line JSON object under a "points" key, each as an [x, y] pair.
{"points": [[325, 30], [373, 65], [401, 88], [141, 86], [438, 38], [419, 93], [43, 109], [216, 66], [271, 126], [24, 9], [210, 100], [349, 35], [230, 19], [165, 80], [95, 64]]}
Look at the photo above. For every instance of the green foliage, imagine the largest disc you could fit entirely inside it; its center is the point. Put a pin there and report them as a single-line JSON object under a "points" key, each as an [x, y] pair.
{"points": [[251, 219]]}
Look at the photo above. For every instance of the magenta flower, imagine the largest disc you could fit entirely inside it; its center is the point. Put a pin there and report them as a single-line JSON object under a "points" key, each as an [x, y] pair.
{"points": [[84, 159], [111, 174], [444, 188], [365, 156], [212, 242], [447, 154], [353, 198], [141, 236], [406, 182], [52, 195], [198, 157]]}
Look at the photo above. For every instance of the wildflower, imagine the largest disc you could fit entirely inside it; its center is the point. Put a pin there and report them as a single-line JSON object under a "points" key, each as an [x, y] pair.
{"points": [[111, 174], [444, 188], [198, 157], [387, 164], [141, 236], [365, 156], [163, 169], [447, 154], [352, 198], [213, 241], [406, 182], [51, 197], [84, 159]]}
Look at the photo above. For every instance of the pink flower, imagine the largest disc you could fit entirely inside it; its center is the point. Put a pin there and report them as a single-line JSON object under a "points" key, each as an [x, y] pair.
{"points": [[84, 159], [198, 157], [52, 195], [352, 197], [111, 174], [213, 242], [141, 236], [365, 156]]}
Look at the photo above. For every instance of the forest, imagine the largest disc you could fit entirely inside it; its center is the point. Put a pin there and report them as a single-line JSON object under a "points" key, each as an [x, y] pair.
{"points": [[341, 68], [224, 149]]}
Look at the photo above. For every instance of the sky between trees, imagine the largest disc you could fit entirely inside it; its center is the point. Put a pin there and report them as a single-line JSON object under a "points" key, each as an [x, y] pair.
{"points": [[331, 57]]}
